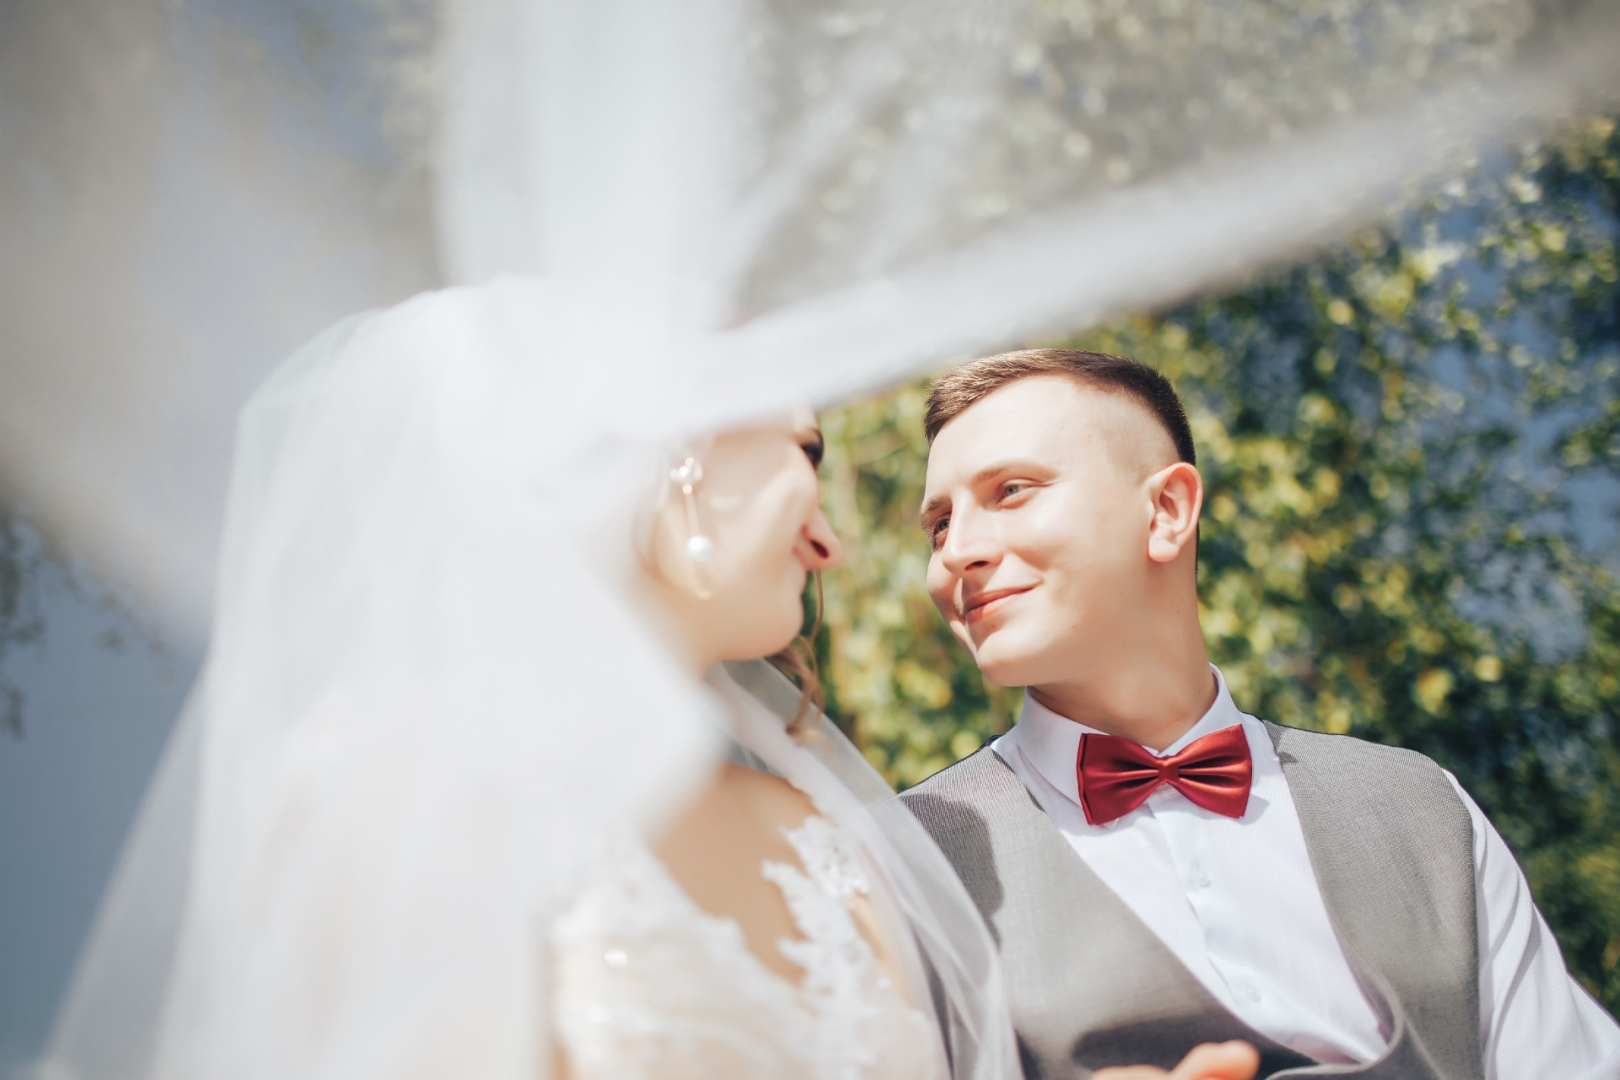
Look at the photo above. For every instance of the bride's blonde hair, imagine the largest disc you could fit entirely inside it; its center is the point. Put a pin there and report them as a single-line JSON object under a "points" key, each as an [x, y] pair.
{"points": [[798, 662]]}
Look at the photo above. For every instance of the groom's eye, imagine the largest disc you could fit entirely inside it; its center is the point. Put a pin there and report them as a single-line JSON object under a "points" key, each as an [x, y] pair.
{"points": [[936, 531]]}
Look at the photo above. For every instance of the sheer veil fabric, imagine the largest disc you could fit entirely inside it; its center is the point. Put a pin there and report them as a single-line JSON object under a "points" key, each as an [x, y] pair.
{"points": [[426, 695], [397, 738], [398, 771]]}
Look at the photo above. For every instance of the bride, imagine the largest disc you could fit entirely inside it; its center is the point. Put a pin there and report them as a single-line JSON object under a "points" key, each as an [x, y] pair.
{"points": [[744, 941]]}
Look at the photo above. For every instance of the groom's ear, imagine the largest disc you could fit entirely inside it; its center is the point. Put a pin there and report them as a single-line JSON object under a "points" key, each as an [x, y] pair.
{"points": [[1177, 497]]}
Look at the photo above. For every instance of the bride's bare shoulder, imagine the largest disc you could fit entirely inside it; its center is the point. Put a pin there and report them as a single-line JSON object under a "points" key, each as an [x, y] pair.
{"points": [[775, 801], [716, 847], [739, 806]]}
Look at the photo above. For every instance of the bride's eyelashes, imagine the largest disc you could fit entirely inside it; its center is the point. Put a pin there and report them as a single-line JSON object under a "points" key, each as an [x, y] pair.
{"points": [[814, 448]]}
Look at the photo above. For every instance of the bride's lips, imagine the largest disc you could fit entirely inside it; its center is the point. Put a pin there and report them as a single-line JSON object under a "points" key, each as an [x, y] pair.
{"points": [[986, 604]]}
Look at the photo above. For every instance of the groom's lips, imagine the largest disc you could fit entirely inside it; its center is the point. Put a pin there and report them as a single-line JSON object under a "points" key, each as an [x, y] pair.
{"points": [[986, 604]]}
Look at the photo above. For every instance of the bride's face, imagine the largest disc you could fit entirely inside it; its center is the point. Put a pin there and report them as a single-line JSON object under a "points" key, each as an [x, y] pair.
{"points": [[760, 505]]}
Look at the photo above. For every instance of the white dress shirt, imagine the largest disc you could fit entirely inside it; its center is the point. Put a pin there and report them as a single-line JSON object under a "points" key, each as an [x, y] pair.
{"points": [[1210, 887]]}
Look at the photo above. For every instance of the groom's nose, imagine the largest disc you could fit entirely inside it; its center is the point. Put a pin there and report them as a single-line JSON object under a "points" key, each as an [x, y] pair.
{"points": [[971, 545]]}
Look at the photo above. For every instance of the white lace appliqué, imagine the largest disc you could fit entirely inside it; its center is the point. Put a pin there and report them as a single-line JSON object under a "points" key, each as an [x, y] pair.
{"points": [[838, 962], [650, 985]]}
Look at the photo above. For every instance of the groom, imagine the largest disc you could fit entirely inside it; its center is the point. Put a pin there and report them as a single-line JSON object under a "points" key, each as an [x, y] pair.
{"points": [[1158, 868]]}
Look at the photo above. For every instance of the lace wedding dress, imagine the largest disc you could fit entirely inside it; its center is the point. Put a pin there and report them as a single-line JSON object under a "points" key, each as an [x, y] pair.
{"points": [[649, 985]]}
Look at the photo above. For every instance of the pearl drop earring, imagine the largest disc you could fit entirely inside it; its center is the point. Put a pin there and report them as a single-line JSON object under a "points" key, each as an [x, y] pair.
{"points": [[698, 547]]}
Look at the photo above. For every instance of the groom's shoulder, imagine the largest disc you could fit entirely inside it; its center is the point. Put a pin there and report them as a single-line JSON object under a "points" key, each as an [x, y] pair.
{"points": [[980, 775], [1355, 771], [959, 807], [961, 796], [1295, 745]]}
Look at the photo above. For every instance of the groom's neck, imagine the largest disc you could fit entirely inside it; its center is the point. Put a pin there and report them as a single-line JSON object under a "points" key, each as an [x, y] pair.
{"points": [[1151, 692]]}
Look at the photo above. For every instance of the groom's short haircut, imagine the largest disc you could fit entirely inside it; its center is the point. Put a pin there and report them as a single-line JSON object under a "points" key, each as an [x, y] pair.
{"points": [[961, 387]]}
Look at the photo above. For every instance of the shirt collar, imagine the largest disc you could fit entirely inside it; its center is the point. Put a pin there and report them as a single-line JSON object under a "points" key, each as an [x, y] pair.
{"points": [[1051, 742]]}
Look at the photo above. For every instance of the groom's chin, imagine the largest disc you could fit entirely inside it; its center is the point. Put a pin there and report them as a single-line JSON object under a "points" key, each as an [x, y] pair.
{"points": [[1003, 660]]}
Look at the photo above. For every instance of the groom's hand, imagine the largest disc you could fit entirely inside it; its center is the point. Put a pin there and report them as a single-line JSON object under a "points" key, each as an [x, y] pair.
{"points": [[1211, 1061]]}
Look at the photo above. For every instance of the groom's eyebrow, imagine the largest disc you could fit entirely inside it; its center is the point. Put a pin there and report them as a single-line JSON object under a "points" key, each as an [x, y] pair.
{"points": [[1027, 467], [939, 502]]}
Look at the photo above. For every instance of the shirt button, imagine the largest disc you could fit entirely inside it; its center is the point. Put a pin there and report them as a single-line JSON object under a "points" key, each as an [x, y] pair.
{"points": [[1252, 993], [1201, 879]]}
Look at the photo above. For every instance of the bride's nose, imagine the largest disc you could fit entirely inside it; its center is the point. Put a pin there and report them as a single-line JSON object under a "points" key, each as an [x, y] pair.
{"points": [[819, 546]]}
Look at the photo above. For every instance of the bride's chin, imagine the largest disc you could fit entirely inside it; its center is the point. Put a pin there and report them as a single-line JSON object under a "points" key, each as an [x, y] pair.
{"points": [[780, 636]]}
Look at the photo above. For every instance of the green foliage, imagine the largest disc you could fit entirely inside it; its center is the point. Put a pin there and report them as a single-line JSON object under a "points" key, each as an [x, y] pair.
{"points": [[1399, 441], [895, 677]]}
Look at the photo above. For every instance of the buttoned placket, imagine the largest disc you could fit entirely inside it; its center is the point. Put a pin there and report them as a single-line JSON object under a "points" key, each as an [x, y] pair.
{"points": [[1177, 821]]}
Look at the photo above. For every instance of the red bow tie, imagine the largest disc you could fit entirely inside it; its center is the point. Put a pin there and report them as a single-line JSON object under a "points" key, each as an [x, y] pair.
{"points": [[1116, 775]]}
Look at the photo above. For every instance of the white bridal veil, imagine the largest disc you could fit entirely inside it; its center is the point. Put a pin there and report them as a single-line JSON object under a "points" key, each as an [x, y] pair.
{"points": [[424, 695]]}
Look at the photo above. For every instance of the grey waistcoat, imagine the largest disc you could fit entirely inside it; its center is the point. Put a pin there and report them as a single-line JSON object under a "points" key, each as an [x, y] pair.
{"points": [[1090, 985]]}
